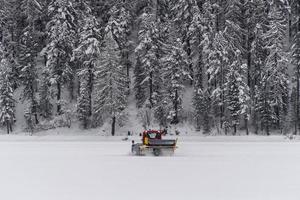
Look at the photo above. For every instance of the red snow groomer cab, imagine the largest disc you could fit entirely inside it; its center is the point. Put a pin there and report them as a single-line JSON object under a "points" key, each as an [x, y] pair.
{"points": [[152, 142]]}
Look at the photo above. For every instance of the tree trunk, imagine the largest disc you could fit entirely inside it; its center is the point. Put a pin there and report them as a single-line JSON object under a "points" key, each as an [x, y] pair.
{"points": [[36, 118], [234, 129], [246, 125], [255, 122], [198, 122], [189, 54], [218, 16], [155, 10], [298, 79], [249, 82], [58, 98], [256, 128], [10, 126], [268, 129], [290, 26], [45, 60], [91, 78], [222, 107], [78, 88], [85, 123], [150, 89], [297, 101], [35, 111], [7, 127], [200, 79], [128, 70], [295, 126], [113, 125], [34, 104], [72, 88], [175, 118]]}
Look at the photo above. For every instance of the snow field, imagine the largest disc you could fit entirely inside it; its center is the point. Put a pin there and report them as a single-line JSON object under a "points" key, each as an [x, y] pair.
{"points": [[93, 170]]}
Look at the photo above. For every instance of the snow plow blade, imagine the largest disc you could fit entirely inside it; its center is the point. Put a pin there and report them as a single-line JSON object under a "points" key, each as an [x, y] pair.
{"points": [[164, 143], [164, 147]]}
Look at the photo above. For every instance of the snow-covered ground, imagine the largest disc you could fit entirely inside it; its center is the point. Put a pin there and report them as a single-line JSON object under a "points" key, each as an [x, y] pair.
{"points": [[94, 168]]}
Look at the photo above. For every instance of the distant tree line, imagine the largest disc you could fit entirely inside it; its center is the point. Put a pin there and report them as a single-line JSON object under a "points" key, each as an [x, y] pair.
{"points": [[241, 57]]}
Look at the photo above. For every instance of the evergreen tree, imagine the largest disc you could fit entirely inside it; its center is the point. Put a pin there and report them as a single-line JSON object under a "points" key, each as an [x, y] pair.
{"points": [[88, 52], [241, 19], [218, 68], [202, 30], [7, 103], [196, 33], [152, 49], [175, 65], [202, 110], [139, 87], [29, 49], [183, 18], [120, 26], [29, 74], [277, 62], [293, 111], [12, 26], [149, 50], [45, 92], [45, 96], [61, 37], [264, 104], [237, 91], [296, 61], [163, 109], [258, 54], [110, 99]]}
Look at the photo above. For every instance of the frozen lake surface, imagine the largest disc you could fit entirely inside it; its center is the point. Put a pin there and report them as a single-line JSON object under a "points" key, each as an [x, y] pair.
{"points": [[207, 169]]}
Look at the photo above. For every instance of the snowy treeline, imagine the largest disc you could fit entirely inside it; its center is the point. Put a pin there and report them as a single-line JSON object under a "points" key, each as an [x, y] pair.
{"points": [[241, 57]]}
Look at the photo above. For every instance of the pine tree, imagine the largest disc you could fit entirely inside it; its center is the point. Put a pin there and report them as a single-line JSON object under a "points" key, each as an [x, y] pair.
{"points": [[183, 18], [218, 68], [29, 49], [293, 110], [120, 26], [296, 61], [45, 91], [88, 52], [196, 33], [237, 91], [61, 37], [12, 26], [163, 109], [202, 110], [110, 99], [175, 66], [45, 96], [149, 50], [258, 54], [29, 74], [139, 87], [264, 104], [277, 62], [202, 31], [241, 19], [7, 103]]}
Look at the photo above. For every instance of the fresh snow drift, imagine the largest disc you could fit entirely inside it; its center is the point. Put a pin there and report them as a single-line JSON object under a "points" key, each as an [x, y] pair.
{"points": [[102, 168]]}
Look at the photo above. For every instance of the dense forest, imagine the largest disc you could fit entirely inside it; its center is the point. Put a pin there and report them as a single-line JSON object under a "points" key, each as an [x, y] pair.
{"points": [[240, 57]]}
